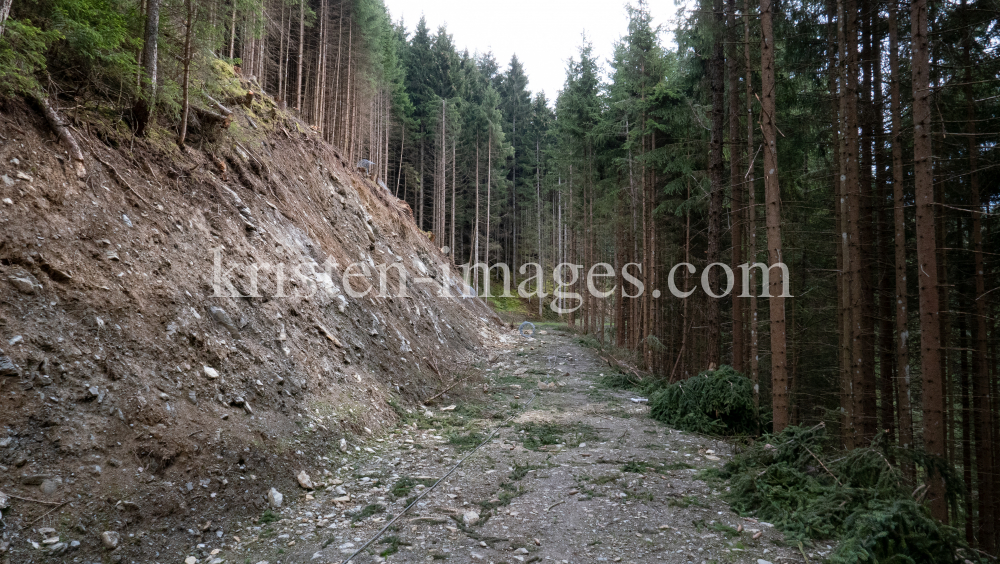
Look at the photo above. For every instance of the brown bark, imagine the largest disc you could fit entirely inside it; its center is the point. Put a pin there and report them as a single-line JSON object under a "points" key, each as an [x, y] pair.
{"points": [[62, 130], [927, 272], [302, 45], [887, 364], [869, 411], [902, 331], [716, 68], [835, 80], [963, 345], [751, 210], [985, 439], [735, 189], [185, 84], [772, 197]]}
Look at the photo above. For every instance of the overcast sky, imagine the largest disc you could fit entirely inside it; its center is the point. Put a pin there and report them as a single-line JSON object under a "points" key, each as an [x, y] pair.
{"points": [[543, 33]]}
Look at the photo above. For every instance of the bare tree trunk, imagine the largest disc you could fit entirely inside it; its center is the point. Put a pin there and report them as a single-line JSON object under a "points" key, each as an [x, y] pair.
{"points": [[232, 33], [927, 270], [751, 212], [399, 171], [4, 14], [902, 331], [302, 46], [188, 35], [985, 440], [538, 207], [144, 106], [475, 237], [715, 172], [347, 103], [453, 187], [772, 195], [735, 187], [336, 87], [62, 130], [489, 188]]}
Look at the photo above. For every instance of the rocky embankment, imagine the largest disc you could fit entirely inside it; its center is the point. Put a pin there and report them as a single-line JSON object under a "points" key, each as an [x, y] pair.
{"points": [[175, 334]]}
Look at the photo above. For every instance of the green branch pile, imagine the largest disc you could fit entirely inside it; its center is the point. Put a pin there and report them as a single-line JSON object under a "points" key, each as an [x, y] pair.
{"points": [[799, 482], [715, 402]]}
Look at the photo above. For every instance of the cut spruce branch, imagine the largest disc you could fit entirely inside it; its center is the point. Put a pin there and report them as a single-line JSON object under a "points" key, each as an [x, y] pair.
{"points": [[61, 129]]}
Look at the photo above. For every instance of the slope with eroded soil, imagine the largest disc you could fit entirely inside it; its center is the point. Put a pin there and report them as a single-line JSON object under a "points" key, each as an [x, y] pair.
{"points": [[133, 401]]}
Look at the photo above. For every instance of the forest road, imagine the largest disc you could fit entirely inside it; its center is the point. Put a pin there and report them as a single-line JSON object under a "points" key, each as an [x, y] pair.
{"points": [[580, 475]]}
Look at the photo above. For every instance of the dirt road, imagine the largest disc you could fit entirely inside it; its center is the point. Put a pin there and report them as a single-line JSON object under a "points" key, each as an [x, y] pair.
{"points": [[579, 475]]}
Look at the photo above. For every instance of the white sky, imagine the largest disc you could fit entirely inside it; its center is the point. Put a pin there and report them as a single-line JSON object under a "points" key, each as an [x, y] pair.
{"points": [[543, 33]]}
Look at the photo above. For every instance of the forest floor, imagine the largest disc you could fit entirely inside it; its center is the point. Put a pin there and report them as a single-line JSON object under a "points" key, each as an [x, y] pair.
{"points": [[576, 472]]}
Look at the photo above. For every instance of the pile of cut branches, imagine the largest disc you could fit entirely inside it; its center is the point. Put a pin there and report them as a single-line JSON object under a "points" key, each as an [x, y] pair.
{"points": [[799, 481]]}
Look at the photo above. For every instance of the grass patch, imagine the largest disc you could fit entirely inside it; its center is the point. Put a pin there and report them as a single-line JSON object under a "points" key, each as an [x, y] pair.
{"points": [[686, 501], [538, 435], [367, 511], [637, 467], [606, 479], [405, 485], [394, 543], [465, 441], [269, 517], [724, 529], [678, 466]]}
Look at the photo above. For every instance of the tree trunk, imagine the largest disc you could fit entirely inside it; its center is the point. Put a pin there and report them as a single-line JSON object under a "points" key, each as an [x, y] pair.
{"points": [[751, 212], [453, 194], [232, 33], [902, 313], [188, 35], [985, 440], [772, 196], [538, 206], [963, 345], [716, 68], [489, 187], [869, 410], [62, 130], [302, 45], [927, 271], [4, 14], [144, 105], [736, 188]]}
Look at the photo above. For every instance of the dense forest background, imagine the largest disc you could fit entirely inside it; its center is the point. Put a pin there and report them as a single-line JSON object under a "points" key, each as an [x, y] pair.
{"points": [[855, 141]]}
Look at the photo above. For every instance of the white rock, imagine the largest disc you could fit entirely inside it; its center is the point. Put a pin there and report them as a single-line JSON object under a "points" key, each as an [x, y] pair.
{"points": [[274, 498], [477, 556], [305, 481], [190, 560], [470, 518], [25, 283], [8, 202], [762, 561], [110, 539], [211, 373], [343, 445]]}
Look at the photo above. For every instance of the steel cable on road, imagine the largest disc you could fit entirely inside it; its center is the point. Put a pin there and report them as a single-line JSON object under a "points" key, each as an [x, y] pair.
{"points": [[441, 479]]}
